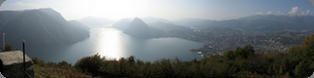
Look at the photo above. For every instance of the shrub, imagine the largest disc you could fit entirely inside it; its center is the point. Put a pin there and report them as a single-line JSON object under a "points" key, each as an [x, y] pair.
{"points": [[90, 65]]}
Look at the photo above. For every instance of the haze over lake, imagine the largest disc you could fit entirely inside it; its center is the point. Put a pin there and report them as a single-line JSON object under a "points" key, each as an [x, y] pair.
{"points": [[114, 44]]}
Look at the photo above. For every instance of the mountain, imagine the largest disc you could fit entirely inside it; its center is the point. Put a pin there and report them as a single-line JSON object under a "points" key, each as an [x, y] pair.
{"points": [[277, 23], [264, 32], [191, 22], [40, 27], [96, 22], [122, 24], [155, 28], [138, 28], [261, 23], [151, 20]]}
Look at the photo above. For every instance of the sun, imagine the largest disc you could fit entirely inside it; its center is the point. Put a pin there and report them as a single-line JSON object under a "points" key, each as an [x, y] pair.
{"points": [[117, 9]]}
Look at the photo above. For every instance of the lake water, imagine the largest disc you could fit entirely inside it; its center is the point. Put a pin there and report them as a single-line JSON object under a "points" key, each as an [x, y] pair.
{"points": [[114, 44]]}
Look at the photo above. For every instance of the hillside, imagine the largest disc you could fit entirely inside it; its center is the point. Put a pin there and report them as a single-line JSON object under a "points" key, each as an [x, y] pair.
{"points": [[56, 70], [265, 32], [152, 28], [40, 27], [261, 23], [138, 28]]}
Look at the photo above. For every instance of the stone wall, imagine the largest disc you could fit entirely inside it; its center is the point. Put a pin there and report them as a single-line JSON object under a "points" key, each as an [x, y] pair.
{"points": [[16, 70]]}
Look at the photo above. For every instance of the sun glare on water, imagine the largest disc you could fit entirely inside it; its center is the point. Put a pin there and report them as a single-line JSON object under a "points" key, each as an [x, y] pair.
{"points": [[110, 44]]}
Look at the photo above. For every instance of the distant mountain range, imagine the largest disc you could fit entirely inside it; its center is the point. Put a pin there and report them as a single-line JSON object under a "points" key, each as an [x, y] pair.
{"points": [[46, 27], [265, 32], [261, 23], [155, 28], [138, 28], [96, 22], [40, 27]]}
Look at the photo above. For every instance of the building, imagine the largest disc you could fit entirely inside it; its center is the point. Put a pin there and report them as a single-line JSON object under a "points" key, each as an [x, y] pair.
{"points": [[11, 65]]}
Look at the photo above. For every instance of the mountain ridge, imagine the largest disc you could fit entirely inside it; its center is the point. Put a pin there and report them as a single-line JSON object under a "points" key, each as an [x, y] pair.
{"points": [[40, 27]]}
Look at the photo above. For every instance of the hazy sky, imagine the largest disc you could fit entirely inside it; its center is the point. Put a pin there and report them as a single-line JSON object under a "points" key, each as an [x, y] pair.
{"points": [[167, 9]]}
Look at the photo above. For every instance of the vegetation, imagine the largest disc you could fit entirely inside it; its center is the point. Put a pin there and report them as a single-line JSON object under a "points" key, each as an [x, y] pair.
{"points": [[56, 70], [8, 47], [241, 62]]}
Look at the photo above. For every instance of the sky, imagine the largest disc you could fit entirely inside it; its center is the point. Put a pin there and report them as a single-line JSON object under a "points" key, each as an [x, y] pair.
{"points": [[166, 9]]}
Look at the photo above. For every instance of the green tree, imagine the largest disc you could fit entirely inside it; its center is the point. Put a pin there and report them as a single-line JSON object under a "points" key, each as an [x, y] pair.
{"points": [[8, 47], [230, 55], [91, 64], [64, 63], [300, 69], [239, 52]]}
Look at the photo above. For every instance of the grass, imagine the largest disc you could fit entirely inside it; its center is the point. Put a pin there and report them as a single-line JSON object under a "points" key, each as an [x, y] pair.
{"points": [[57, 71]]}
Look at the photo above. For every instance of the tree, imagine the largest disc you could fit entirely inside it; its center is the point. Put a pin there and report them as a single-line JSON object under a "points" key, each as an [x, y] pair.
{"points": [[64, 63], [91, 64], [300, 69], [308, 42], [239, 52], [131, 60], [229, 55], [8, 47]]}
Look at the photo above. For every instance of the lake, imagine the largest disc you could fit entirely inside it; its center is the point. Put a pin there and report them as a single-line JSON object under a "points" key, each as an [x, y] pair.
{"points": [[114, 44]]}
